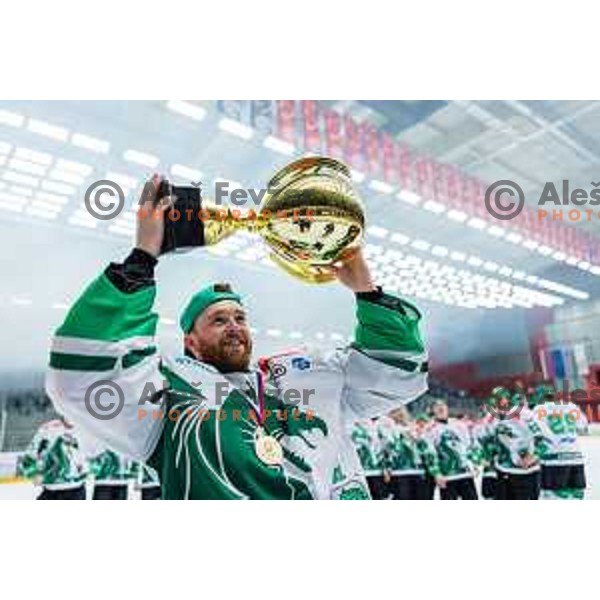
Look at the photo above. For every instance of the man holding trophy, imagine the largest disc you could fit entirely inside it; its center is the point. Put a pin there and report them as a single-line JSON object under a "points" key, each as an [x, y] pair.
{"points": [[210, 423]]}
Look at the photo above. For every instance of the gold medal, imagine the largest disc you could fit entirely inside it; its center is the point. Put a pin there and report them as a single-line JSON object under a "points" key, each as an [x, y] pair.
{"points": [[268, 449]]}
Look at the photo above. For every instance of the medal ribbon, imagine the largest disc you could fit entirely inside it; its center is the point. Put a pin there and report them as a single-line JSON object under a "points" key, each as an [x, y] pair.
{"points": [[260, 389]]}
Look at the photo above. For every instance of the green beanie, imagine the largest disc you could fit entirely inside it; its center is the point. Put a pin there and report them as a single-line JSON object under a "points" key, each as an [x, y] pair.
{"points": [[202, 300]]}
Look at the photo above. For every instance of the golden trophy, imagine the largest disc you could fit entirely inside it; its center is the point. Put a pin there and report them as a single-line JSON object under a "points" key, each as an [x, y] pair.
{"points": [[311, 218]]}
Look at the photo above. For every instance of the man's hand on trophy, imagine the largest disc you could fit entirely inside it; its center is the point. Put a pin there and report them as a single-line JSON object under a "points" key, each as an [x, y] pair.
{"points": [[354, 273], [150, 216]]}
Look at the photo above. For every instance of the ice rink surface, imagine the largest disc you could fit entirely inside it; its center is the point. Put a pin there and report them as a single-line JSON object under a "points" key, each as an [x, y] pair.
{"points": [[590, 446]]}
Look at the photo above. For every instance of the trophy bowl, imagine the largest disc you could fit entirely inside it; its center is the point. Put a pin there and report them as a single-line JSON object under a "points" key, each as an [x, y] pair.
{"points": [[317, 218], [311, 218]]}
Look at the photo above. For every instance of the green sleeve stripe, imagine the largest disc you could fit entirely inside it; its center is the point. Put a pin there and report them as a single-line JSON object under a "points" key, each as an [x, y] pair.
{"points": [[104, 312], [81, 362], [136, 356]]}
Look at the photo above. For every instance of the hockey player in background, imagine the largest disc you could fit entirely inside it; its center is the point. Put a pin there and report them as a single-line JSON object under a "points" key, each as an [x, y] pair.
{"points": [[458, 455], [563, 471], [513, 446], [406, 456], [367, 442], [483, 433], [146, 481], [54, 463], [423, 423], [111, 474]]}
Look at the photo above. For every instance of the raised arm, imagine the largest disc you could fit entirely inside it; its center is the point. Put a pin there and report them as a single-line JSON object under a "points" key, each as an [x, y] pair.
{"points": [[103, 358]]}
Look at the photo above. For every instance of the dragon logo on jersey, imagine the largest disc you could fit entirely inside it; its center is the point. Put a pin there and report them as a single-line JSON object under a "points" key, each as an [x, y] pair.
{"points": [[220, 454]]}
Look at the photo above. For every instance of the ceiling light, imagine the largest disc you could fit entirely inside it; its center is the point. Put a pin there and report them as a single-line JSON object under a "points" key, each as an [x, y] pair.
{"points": [[434, 207], [74, 166], [376, 231], [381, 186], [457, 215], [10, 206], [421, 245], [458, 256], [66, 177], [126, 181], [43, 214], [409, 197], [439, 251], [27, 167], [277, 145], [11, 118], [51, 197], [141, 158], [48, 130], [530, 244], [194, 111], [477, 223], [42, 158], [357, 176], [236, 128], [400, 238], [48, 206], [20, 178], [90, 143], [59, 188], [496, 231], [21, 191], [474, 261]]}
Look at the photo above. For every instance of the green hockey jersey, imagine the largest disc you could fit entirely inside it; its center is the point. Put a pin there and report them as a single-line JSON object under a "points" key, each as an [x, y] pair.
{"points": [[109, 468], [365, 436], [404, 451], [458, 452], [53, 459], [170, 412], [558, 423], [144, 475], [516, 441]]}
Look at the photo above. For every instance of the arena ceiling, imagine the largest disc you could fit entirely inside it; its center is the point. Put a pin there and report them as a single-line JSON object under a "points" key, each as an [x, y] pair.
{"points": [[51, 151]]}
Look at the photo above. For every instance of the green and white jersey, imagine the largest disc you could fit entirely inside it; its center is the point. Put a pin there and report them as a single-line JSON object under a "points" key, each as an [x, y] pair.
{"points": [[144, 476], [365, 435], [401, 449], [483, 432], [53, 459], [457, 451], [109, 468], [557, 423], [204, 436], [515, 440]]}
